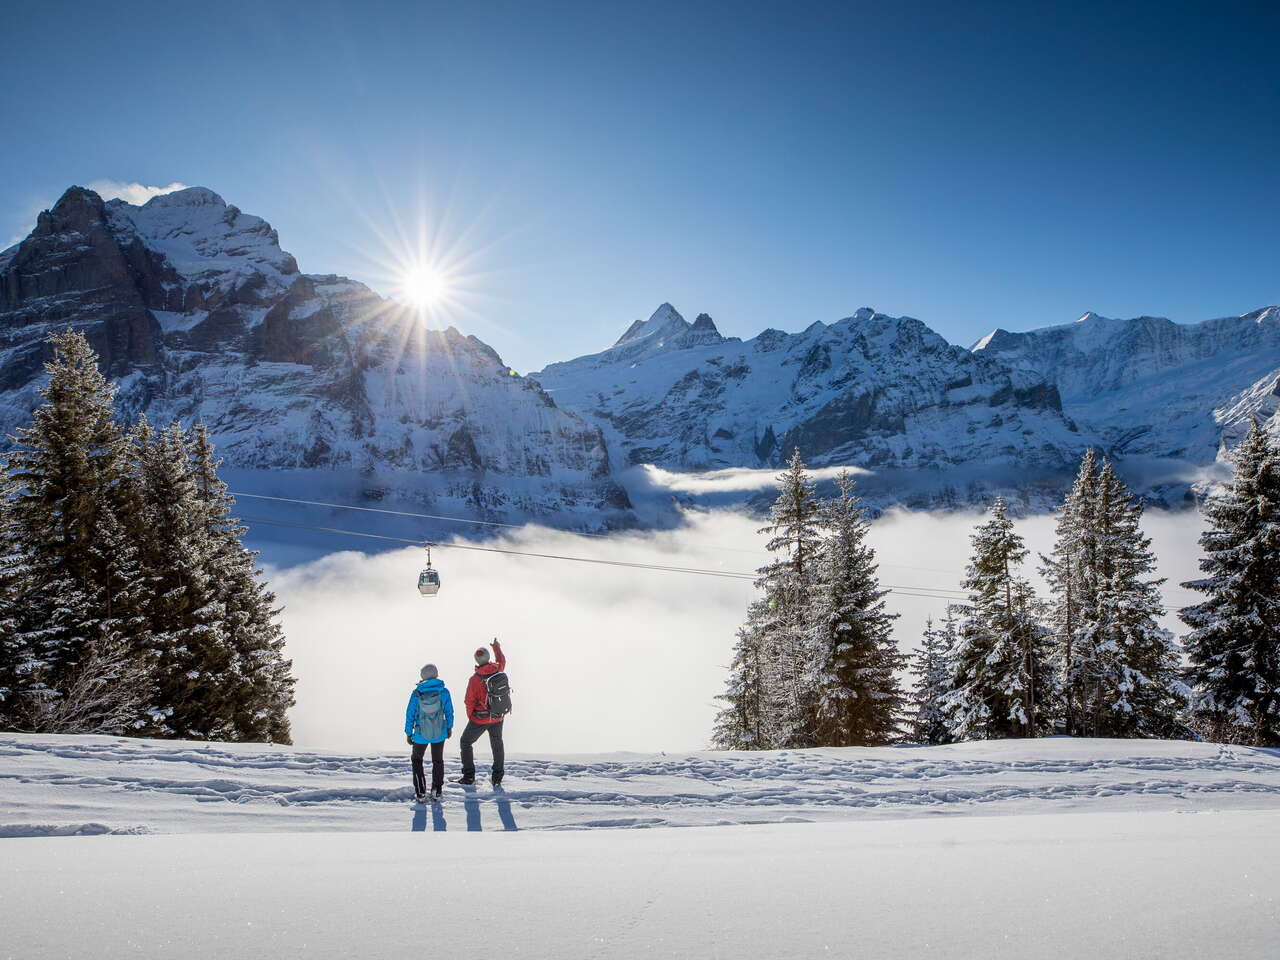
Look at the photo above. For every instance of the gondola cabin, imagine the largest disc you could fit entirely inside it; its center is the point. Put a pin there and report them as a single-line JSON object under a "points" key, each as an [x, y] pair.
{"points": [[429, 582]]}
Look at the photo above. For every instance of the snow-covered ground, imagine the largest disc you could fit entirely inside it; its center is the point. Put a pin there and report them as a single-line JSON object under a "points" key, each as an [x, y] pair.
{"points": [[1118, 885], [62, 785], [1028, 849]]}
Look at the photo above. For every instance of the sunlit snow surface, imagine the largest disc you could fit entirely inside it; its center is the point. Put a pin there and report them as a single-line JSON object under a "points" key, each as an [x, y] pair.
{"points": [[1135, 849], [60, 785]]}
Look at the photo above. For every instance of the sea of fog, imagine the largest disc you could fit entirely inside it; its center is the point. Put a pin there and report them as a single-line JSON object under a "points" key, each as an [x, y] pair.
{"points": [[601, 658]]}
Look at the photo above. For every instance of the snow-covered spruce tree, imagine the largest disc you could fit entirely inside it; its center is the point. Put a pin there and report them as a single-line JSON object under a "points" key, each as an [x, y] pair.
{"points": [[67, 488], [792, 664], [1000, 675], [933, 681], [738, 726], [15, 650], [1234, 643], [1127, 663], [772, 691], [192, 657], [259, 682], [1072, 592], [859, 702]]}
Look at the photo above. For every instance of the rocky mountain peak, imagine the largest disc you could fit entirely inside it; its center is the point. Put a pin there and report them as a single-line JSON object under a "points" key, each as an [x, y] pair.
{"points": [[79, 209], [666, 319], [704, 324]]}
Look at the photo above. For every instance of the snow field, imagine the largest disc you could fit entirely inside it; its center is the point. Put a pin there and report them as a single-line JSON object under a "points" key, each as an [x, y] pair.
{"points": [[65, 785], [1109, 885]]}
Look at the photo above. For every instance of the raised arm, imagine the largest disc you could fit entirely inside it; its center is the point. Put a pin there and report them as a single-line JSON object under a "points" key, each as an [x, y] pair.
{"points": [[499, 657]]}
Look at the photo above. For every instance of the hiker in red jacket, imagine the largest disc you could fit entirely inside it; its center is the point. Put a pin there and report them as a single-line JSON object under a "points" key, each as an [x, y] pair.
{"points": [[488, 702]]}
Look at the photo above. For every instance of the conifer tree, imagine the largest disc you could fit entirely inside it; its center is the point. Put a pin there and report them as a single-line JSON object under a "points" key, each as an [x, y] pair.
{"points": [[1000, 676], [772, 692], [15, 649], [933, 681], [191, 654], [1126, 663], [739, 725], [1074, 594], [859, 702], [259, 683], [1234, 643], [66, 487], [791, 662]]}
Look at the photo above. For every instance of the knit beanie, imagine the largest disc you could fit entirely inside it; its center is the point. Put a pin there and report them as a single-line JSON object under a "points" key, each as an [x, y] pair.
{"points": [[429, 672], [482, 656]]}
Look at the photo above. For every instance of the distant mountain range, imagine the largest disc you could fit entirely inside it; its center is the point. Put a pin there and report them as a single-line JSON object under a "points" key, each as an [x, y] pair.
{"points": [[198, 314]]}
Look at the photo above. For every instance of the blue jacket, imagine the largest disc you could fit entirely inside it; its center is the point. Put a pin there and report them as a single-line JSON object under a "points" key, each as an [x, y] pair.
{"points": [[411, 714]]}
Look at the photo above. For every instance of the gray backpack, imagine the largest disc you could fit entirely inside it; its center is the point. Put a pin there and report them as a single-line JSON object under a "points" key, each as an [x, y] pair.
{"points": [[430, 725]]}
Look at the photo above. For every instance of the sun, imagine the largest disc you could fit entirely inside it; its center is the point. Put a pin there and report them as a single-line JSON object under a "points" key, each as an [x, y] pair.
{"points": [[423, 286]]}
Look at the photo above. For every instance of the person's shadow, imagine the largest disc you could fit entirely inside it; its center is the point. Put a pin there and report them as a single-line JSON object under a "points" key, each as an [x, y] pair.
{"points": [[437, 818], [471, 803], [504, 809]]}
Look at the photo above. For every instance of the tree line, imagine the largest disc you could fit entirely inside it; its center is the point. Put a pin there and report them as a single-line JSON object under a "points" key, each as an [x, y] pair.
{"points": [[128, 603], [815, 663]]}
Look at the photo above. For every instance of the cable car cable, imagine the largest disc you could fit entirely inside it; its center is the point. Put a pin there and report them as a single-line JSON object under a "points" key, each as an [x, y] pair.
{"points": [[662, 568], [510, 526]]}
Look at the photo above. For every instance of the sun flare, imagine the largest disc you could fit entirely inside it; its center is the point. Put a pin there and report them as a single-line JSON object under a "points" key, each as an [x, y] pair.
{"points": [[423, 287]]}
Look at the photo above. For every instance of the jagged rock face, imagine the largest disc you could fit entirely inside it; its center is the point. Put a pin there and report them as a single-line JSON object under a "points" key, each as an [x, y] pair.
{"points": [[75, 269], [200, 316], [869, 390], [1151, 387]]}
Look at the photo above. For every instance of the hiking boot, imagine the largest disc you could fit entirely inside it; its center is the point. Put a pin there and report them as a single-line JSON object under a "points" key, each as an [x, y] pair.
{"points": [[436, 794], [496, 781], [465, 781], [419, 798]]}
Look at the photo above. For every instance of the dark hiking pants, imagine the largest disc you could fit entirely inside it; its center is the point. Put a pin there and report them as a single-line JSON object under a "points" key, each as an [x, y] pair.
{"points": [[437, 767], [471, 735]]}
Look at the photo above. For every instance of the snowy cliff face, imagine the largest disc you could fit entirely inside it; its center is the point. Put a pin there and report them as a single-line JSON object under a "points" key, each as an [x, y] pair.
{"points": [[870, 390], [1150, 387], [199, 315]]}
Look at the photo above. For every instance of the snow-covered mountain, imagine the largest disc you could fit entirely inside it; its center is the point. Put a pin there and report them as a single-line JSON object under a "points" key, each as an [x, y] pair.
{"points": [[199, 315], [869, 390], [1154, 388]]}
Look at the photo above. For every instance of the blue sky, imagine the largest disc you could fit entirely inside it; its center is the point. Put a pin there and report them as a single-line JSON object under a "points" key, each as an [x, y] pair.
{"points": [[973, 165]]}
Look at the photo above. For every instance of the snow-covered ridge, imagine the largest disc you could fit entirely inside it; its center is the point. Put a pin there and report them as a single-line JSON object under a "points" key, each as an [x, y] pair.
{"points": [[869, 390], [1151, 387], [203, 237]]}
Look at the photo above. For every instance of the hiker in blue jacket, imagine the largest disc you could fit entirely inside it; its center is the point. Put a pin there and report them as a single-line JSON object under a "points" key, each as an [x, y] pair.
{"points": [[428, 722]]}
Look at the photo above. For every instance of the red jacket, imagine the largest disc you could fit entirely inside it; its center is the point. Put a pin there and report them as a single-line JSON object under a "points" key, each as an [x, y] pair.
{"points": [[477, 698]]}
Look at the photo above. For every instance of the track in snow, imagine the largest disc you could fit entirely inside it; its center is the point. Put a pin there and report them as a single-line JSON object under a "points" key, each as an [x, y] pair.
{"points": [[68, 785]]}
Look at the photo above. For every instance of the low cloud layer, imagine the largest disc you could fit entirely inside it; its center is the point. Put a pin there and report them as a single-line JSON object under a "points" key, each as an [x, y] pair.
{"points": [[730, 480], [601, 658]]}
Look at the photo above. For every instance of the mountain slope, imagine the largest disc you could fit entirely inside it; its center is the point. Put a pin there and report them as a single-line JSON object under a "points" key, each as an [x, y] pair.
{"points": [[1151, 387], [199, 315], [870, 390]]}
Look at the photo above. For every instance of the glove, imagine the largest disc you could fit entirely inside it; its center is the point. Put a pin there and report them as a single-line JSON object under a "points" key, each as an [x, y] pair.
{"points": [[408, 738]]}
